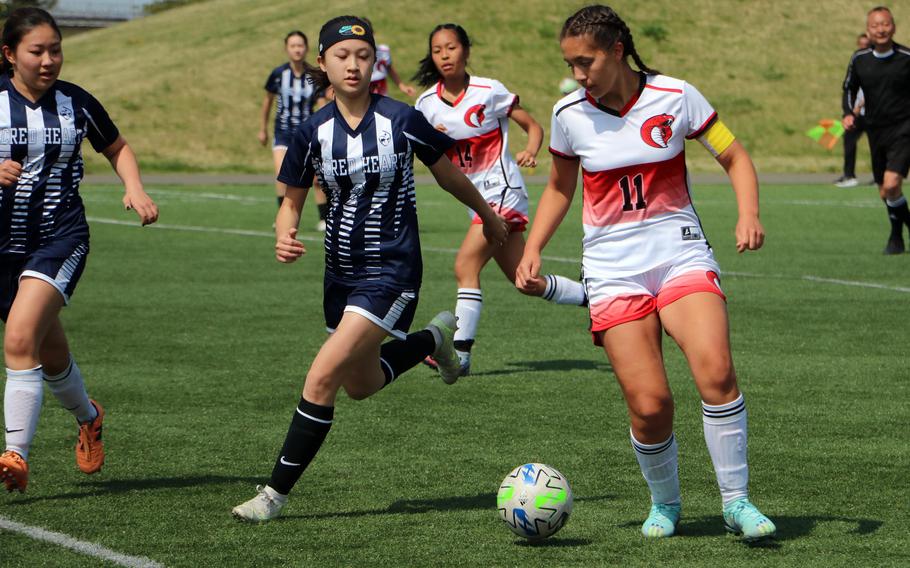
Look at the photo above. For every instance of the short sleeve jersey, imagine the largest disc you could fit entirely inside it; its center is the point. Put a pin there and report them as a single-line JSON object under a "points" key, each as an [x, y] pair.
{"points": [[296, 97], [45, 137], [638, 212], [368, 176], [479, 121]]}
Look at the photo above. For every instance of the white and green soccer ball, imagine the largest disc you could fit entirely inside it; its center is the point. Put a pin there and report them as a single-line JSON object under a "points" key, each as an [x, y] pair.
{"points": [[568, 85], [534, 500]]}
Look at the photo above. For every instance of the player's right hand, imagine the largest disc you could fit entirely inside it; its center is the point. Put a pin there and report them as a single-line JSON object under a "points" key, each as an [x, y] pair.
{"points": [[527, 272], [288, 248], [849, 122], [9, 172], [263, 137], [496, 232]]}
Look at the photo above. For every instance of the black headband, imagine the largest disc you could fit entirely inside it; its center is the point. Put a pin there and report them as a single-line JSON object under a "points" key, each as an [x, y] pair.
{"points": [[341, 29]]}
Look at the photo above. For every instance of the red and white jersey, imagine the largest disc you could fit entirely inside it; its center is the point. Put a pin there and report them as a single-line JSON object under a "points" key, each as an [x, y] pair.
{"points": [[479, 121], [378, 82], [638, 212]]}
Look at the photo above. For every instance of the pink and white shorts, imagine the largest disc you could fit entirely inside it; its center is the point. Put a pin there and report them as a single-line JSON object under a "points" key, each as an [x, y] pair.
{"points": [[614, 301]]}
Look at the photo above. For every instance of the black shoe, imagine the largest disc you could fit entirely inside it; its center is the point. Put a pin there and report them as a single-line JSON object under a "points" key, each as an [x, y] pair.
{"points": [[895, 246]]}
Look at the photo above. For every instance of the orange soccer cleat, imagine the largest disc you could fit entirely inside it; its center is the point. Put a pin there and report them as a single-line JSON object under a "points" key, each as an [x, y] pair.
{"points": [[14, 471], [90, 448]]}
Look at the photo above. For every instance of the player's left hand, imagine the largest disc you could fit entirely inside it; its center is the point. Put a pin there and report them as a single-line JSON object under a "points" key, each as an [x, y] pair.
{"points": [[407, 89], [139, 201], [288, 248], [526, 159], [750, 235]]}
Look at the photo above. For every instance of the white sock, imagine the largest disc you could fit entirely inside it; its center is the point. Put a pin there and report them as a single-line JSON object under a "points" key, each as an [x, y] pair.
{"points": [[69, 389], [561, 290], [725, 435], [659, 465], [467, 309], [21, 408]]}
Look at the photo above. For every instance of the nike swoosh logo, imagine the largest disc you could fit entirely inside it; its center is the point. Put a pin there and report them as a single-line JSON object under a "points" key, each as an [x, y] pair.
{"points": [[8, 431], [286, 462]]}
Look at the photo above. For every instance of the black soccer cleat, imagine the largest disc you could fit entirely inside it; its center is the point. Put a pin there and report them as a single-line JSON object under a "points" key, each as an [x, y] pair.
{"points": [[895, 246]]}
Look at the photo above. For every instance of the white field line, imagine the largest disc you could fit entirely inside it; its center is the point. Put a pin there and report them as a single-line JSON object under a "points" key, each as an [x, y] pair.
{"points": [[569, 260], [82, 547], [424, 201]]}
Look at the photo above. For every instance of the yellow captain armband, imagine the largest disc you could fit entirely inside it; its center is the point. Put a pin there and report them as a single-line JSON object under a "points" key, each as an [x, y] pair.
{"points": [[717, 138]]}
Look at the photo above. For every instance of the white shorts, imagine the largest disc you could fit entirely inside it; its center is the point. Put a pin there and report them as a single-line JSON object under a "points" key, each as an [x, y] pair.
{"points": [[510, 202], [614, 301]]}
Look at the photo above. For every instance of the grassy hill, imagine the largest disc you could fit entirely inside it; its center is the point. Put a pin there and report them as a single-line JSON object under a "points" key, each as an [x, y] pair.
{"points": [[185, 86]]}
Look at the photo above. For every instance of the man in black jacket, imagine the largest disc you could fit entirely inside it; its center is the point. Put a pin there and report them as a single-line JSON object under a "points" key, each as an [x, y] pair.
{"points": [[883, 73]]}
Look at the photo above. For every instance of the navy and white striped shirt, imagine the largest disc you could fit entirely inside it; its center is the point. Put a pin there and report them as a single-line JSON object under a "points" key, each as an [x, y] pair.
{"points": [[368, 176], [46, 137], [296, 97]]}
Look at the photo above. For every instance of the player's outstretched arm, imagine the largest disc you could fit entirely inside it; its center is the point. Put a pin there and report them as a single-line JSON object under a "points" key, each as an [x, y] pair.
{"points": [[287, 247], [750, 235], [551, 209], [527, 158], [123, 160], [452, 180], [404, 87], [264, 118]]}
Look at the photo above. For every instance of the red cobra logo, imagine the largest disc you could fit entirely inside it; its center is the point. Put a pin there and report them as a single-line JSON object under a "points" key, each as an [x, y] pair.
{"points": [[470, 115], [656, 131]]}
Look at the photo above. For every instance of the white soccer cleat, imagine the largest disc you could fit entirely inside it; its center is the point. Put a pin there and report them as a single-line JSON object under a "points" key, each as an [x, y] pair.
{"points": [[447, 361], [464, 363], [265, 506]]}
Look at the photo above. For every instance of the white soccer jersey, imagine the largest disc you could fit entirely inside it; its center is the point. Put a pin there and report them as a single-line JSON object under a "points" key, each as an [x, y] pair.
{"points": [[638, 212], [383, 62], [479, 121], [378, 82]]}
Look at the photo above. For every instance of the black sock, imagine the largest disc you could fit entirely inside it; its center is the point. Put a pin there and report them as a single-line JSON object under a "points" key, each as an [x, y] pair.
{"points": [[279, 199], [308, 430], [323, 210], [898, 215], [396, 357], [464, 345]]}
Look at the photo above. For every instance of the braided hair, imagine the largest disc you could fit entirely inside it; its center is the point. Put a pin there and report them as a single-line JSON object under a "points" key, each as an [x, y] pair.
{"points": [[606, 27]]}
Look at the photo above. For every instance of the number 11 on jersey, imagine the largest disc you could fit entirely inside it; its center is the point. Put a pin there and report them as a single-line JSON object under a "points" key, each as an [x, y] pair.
{"points": [[626, 187]]}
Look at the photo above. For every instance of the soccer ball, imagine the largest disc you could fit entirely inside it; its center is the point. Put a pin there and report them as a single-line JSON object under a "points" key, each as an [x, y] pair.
{"points": [[534, 500], [568, 85]]}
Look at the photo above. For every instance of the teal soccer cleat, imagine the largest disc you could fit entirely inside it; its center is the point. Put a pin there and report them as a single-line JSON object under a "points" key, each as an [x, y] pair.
{"points": [[742, 517], [662, 521]]}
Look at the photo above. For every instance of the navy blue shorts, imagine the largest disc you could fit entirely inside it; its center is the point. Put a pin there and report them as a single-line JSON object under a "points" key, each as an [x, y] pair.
{"points": [[282, 138], [59, 263], [389, 307]]}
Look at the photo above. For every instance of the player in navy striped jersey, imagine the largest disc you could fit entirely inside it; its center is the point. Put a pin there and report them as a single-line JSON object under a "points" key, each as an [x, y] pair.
{"points": [[297, 96], [361, 147], [44, 237]]}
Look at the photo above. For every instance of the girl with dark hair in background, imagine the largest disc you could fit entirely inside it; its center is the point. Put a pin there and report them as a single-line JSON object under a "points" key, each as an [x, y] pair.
{"points": [[361, 146], [44, 237], [475, 111], [647, 264], [292, 84]]}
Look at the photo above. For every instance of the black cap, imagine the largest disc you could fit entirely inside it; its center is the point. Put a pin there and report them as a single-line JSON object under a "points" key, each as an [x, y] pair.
{"points": [[342, 28]]}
